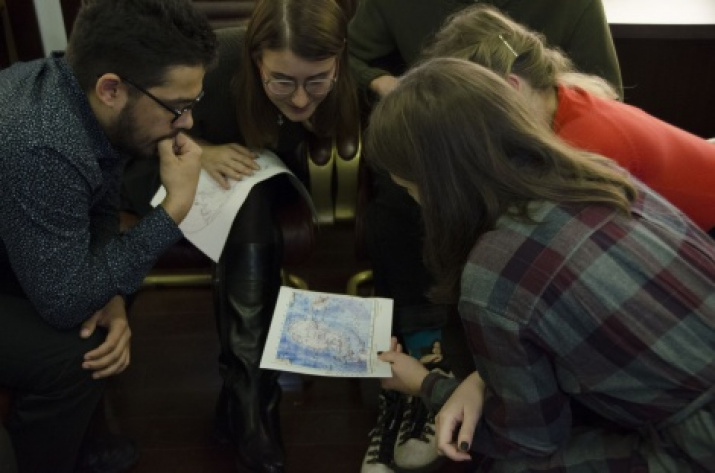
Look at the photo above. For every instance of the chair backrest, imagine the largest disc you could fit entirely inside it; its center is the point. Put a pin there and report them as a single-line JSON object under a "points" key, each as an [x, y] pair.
{"points": [[220, 13], [226, 13]]}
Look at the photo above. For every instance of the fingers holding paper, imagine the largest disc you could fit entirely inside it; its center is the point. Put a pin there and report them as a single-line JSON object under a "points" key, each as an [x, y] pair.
{"points": [[407, 371]]}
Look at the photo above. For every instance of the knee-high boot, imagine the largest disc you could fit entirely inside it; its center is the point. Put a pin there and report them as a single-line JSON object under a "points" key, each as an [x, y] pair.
{"points": [[248, 406]]}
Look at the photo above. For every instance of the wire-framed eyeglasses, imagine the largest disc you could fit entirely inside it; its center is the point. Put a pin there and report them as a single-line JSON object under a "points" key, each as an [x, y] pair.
{"points": [[287, 87], [177, 112]]}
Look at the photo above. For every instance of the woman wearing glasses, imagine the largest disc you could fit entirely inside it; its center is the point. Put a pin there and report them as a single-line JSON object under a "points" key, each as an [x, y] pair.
{"points": [[288, 88], [278, 84]]}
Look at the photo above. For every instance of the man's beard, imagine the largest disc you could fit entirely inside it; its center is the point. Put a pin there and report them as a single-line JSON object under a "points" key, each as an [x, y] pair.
{"points": [[127, 137]]}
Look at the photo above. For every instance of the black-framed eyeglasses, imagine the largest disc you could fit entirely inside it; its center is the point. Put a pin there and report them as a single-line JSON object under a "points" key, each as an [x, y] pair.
{"points": [[312, 87], [177, 112]]}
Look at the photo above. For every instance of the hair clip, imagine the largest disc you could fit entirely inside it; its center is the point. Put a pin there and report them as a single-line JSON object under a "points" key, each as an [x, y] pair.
{"points": [[506, 43]]}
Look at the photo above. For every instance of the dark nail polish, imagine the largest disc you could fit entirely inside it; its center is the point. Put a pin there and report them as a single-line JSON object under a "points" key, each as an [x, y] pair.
{"points": [[379, 353], [464, 446]]}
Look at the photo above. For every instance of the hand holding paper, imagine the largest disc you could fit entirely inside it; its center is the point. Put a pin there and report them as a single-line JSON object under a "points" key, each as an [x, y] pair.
{"points": [[214, 208]]}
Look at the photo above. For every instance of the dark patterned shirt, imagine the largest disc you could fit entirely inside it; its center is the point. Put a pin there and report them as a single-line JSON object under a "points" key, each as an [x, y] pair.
{"points": [[59, 183], [616, 313]]}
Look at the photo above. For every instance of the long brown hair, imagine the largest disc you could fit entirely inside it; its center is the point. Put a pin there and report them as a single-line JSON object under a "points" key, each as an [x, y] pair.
{"points": [[475, 152], [313, 30], [484, 35]]}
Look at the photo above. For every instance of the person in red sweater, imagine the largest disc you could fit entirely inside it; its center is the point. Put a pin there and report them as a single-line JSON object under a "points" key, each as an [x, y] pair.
{"points": [[583, 109]]}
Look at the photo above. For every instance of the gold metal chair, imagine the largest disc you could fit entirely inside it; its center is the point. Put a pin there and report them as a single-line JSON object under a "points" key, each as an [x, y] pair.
{"points": [[339, 186], [349, 199]]}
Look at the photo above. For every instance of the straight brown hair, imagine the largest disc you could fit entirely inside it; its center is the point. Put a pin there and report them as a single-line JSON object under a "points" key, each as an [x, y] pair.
{"points": [[313, 30], [473, 148]]}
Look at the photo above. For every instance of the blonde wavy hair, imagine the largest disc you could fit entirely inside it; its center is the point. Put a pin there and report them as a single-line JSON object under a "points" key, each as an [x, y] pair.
{"points": [[486, 36]]}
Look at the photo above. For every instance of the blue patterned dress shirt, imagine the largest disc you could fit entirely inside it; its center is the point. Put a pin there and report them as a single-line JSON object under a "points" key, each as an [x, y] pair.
{"points": [[59, 185]]}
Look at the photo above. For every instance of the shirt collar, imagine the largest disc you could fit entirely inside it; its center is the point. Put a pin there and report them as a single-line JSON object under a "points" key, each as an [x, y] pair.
{"points": [[104, 147]]}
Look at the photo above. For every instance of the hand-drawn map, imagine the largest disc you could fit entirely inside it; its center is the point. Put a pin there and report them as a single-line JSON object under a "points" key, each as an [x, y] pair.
{"points": [[211, 216], [328, 334]]}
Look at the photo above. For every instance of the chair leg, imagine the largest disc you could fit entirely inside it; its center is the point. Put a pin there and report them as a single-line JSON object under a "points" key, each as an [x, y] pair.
{"points": [[293, 281], [357, 280]]}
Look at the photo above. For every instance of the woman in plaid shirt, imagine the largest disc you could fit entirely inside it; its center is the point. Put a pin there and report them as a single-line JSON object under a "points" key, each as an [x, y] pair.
{"points": [[587, 299]]}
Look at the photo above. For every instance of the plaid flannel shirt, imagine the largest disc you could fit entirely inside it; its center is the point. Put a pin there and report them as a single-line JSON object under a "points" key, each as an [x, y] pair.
{"points": [[589, 305]]}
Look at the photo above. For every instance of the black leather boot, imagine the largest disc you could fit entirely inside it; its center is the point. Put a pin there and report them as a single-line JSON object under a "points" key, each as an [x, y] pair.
{"points": [[248, 407]]}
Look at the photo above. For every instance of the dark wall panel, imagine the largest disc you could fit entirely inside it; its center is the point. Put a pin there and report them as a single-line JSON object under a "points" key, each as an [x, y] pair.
{"points": [[673, 79], [23, 22]]}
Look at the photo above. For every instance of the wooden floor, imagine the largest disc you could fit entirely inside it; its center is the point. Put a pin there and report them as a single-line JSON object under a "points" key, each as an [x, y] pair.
{"points": [[165, 400]]}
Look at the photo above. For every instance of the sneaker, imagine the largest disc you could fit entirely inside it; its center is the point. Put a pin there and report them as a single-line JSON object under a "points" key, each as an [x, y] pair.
{"points": [[379, 456], [110, 453], [416, 447]]}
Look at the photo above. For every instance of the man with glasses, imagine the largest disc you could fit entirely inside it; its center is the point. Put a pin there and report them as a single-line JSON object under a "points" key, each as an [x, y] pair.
{"points": [[177, 111], [131, 75]]}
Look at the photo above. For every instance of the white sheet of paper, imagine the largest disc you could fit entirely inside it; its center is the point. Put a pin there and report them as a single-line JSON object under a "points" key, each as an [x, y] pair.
{"points": [[325, 334], [210, 218]]}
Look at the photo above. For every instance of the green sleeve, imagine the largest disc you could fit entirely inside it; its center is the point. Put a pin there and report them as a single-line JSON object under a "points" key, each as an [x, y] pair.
{"points": [[591, 46], [369, 38]]}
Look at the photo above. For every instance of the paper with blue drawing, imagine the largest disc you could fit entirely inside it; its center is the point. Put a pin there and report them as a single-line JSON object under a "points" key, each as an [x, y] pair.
{"points": [[327, 334], [209, 221]]}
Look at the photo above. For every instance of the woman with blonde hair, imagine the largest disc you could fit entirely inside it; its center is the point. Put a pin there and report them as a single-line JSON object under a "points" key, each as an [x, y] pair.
{"points": [[582, 108], [578, 287]]}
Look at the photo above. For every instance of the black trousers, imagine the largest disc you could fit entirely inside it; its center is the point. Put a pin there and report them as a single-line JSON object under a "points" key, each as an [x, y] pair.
{"points": [[7, 453], [54, 397], [394, 238]]}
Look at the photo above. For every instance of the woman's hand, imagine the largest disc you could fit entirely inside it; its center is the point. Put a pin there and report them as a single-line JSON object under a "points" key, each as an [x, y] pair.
{"points": [[460, 415], [228, 161], [383, 85], [407, 371]]}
